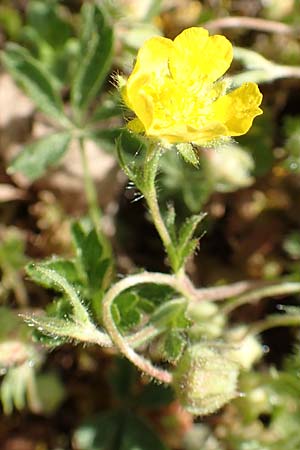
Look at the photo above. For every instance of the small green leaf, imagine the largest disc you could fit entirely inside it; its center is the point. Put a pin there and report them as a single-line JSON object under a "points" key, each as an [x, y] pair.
{"points": [[188, 228], [188, 153], [35, 80], [90, 256], [127, 305], [187, 251], [49, 20], [170, 222], [35, 158], [50, 278], [52, 326], [96, 49], [174, 346], [171, 313]]}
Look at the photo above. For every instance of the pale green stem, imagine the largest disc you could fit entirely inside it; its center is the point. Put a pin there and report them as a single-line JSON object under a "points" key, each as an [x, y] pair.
{"points": [[267, 291], [153, 205], [150, 194], [274, 322], [179, 284], [95, 213], [89, 187]]}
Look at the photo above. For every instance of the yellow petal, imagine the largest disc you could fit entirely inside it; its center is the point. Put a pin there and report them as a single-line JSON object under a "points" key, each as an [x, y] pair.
{"points": [[152, 62], [237, 109], [188, 45], [153, 56], [209, 133], [185, 133], [137, 100], [197, 55]]}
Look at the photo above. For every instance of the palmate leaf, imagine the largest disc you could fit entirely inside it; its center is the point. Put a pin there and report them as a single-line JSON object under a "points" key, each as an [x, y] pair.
{"points": [[35, 81], [35, 158], [96, 56]]}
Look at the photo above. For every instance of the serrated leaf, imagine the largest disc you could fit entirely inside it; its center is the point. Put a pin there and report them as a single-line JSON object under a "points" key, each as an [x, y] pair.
{"points": [[127, 305], [188, 153], [65, 267], [96, 49], [35, 80], [154, 293], [90, 256], [49, 21], [50, 278], [187, 251], [170, 222], [187, 229], [173, 346], [36, 158], [52, 326]]}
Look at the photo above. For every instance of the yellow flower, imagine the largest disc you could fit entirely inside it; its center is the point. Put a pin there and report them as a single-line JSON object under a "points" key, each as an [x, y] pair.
{"points": [[177, 95]]}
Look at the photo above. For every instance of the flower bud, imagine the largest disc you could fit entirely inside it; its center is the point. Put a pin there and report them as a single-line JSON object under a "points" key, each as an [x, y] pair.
{"points": [[208, 323], [204, 379], [246, 350], [230, 167]]}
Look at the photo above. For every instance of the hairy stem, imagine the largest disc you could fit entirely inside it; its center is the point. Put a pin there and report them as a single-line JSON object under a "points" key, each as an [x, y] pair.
{"points": [[149, 190], [286, 320], [178, 283], [250, 23], [283, 288], [89, 187]]}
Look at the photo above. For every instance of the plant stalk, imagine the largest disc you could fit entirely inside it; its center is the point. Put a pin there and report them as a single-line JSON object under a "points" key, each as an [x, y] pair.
{"points": [[178, 283], [89, 187]]}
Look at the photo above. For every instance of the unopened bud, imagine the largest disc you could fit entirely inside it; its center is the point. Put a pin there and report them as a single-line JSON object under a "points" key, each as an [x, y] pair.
{"points": [[246, 349], [205, 380]]}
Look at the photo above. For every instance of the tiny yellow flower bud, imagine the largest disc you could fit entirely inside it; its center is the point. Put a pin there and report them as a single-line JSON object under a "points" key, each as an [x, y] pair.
{"points": [[204, 379]]}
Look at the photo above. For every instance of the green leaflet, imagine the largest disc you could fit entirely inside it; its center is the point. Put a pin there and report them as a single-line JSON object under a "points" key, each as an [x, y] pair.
{"points": [[35, 158]]}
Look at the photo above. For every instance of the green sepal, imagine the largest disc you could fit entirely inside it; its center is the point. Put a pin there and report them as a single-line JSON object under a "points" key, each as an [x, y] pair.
{"points": [[188, 153]]}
